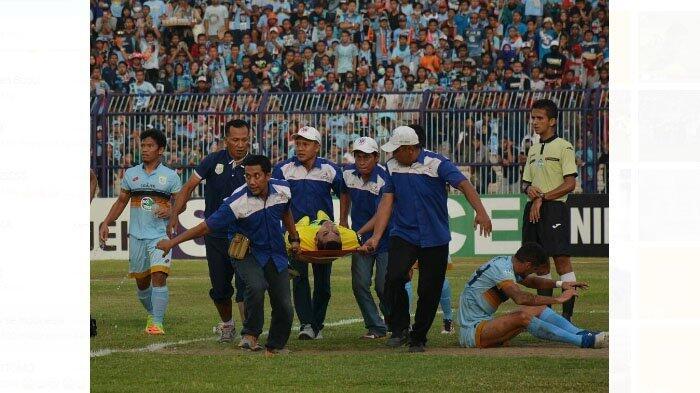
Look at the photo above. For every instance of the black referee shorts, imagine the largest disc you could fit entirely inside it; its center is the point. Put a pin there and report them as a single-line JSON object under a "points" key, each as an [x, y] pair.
{"points": [[552, 230], [221, 271]]}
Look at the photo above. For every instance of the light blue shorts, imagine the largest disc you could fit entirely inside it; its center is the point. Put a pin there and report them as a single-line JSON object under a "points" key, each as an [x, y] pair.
{"points": [[470, 335], [471, 318], [145, 258]]}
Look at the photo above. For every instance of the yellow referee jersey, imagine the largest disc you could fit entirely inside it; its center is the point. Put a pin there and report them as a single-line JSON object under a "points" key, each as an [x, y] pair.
{"points": [[547, 164]]}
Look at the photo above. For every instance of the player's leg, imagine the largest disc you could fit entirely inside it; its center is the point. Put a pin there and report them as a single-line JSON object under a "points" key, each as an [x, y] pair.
{"points": [[140, 270], [256, 285], [220, 275], [430, 281], [558, 244], [301, 292], [322, 295], [409, 292], [240, 295], [446, 306], [402, 255], [160, 297], [542, 325], [282, 313], [361, 270], [532, 233]]}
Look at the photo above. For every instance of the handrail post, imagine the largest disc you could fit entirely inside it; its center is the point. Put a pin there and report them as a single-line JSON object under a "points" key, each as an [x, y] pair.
{"points": [[260, 129]]}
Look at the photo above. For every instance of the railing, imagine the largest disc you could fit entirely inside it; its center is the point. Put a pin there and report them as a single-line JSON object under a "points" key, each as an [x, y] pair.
{"points": [[476, 129]]}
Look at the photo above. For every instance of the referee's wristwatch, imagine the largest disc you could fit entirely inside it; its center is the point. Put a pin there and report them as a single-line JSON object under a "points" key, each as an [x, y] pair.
{"points": [[541, 195]]}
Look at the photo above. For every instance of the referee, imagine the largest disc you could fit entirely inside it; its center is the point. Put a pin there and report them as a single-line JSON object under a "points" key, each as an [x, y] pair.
{"points": [[224, 173], [549, 175]]}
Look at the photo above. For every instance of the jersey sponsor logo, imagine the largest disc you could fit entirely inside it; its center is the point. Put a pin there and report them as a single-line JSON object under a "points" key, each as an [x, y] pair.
{"points": [[147, 203], [219, 169], [555, 226], [162, 180]]}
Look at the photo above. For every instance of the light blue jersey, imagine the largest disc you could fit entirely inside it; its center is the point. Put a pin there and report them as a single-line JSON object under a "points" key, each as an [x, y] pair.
{"points": [[148, 191], [482, 295]]}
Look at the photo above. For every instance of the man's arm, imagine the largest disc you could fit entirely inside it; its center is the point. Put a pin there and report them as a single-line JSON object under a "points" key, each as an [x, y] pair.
{"points": [[181, 202], [288, 221], [482, 219], [523, 298], [114, 213], [345, 202], [93, 184], [381, 220], [537, 282], [192, 233], [564, 188]]}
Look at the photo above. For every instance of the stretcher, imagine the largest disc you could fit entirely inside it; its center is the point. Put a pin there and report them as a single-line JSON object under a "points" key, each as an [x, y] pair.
{"points": [[322, 256]]}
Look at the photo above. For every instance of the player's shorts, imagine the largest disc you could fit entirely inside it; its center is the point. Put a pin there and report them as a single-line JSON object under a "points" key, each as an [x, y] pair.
{"points": [[470, 335], [552, 230], [472, 322], [145, 258]]}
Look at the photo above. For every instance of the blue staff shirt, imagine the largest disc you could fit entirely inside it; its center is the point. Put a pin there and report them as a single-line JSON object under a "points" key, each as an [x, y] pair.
{"points": [[420, 198], [311, 190], [257, 219], [365, 198], [222, 177]]}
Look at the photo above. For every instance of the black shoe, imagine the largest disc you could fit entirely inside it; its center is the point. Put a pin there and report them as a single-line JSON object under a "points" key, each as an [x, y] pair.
{"points": [[398, 340], [420, 347]]}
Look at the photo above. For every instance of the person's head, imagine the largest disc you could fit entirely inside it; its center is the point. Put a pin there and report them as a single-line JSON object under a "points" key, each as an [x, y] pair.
{"points": [[237, 138], [258, 170], [535, 73], [404, 145], [308, 143], [122, 68], [517, 67], [140, 76], [345, 37], [530, 258], [328, 236], [544, 116], [152, 145], [366, 153]]}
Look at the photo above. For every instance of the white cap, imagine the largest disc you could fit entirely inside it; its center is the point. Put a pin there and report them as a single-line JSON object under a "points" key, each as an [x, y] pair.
{"points": [[401, 136], [554, 43], [365, 144], [309, 133], [202, 79]]}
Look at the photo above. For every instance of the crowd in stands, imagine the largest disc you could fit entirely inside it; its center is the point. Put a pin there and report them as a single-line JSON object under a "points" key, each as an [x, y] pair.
{"points": [[378, 48]]}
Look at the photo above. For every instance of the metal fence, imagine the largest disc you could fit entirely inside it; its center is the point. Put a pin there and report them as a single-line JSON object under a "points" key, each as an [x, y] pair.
{"points": [[487, 134]]}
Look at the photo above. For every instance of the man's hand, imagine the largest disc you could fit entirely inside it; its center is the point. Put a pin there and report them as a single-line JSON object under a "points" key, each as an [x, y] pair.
{"points": [[566, 295], [535, 210], [164, 245], [172, 227], [296, 246], [533, 192], [573, 285], [104, 232], [369, 246], [482, 219]]}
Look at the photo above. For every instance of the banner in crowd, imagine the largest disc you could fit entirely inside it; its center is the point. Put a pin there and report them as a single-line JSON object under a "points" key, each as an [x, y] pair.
{"points": [[589, 227]]}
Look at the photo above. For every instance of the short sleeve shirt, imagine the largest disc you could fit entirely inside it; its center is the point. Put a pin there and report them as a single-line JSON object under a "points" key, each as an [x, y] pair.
{"points": [[365, 198], [149, 192], [420, 198], [222, 177], [257, 219], [548, 162], [485, 285], [311, 190]]}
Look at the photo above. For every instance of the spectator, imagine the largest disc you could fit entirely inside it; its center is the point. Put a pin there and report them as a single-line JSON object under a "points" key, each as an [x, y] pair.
{"points": [[346, 54]]}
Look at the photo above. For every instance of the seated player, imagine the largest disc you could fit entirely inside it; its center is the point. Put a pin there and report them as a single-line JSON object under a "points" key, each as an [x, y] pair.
{"points": [[495, 282], [322, 234]]}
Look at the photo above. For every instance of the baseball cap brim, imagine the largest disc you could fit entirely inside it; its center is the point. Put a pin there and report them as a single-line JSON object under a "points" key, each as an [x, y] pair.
{"points": [[389, 147], [364, 149], [295, 136]]}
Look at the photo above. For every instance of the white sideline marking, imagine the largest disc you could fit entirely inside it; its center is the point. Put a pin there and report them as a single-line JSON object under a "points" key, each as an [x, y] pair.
{"points": [[158, 346]]}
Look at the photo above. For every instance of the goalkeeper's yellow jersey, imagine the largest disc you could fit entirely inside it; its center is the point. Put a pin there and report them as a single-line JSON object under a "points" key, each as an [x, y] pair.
{"points": [[307, 230]]}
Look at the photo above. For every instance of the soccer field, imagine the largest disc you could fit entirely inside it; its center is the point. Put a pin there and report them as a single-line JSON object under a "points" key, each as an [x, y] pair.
{"points": [[188, 358]]}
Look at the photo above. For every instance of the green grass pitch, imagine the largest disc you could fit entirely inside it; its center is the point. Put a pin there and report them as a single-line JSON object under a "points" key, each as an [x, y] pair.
{"points": [[188, 358]]}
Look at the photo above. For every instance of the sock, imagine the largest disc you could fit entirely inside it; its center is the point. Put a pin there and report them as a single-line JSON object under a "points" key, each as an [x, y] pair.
{"points": [[547, 331], [557, 320], [160, 302], [567, 309], [446, 300], [546, 292], [229, 322], [144, 296]]}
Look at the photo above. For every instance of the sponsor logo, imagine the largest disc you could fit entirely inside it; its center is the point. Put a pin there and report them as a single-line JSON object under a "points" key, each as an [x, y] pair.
{"points": [[555, 226], [147, 203]]}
